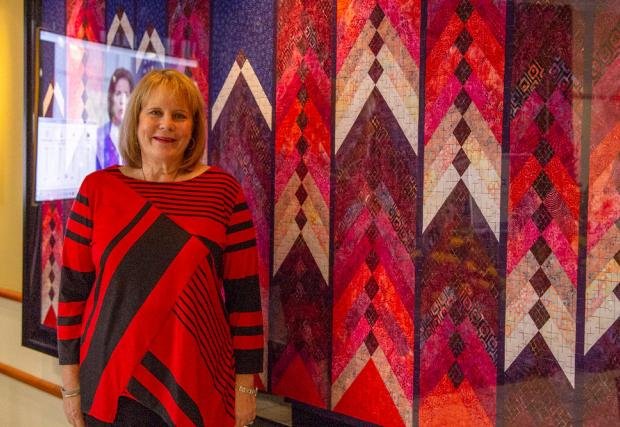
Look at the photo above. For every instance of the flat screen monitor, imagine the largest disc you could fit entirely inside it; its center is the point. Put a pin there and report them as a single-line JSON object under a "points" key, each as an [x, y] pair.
{"points": [[83, 88]]}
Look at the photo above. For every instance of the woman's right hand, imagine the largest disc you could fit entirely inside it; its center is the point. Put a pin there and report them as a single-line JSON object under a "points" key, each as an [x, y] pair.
{"points": [[73, 410]]}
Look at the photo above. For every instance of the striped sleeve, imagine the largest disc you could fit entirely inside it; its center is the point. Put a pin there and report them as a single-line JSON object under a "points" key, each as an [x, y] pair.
{"points": [[242, 289], [77, 277]]}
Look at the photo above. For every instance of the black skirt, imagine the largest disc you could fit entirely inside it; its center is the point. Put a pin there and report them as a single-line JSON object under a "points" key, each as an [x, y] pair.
{"points": [[130, 413]]}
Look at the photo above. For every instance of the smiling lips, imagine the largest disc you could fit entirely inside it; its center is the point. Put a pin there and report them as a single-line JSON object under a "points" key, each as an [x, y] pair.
{"points": [[164, 139]]}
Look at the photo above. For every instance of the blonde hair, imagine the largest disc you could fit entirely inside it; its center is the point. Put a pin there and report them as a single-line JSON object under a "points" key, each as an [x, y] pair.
{"points": [[179, 85]]}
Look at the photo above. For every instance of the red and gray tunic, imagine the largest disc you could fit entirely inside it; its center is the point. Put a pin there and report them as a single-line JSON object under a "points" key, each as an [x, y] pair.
{"points": [[159, 296]]}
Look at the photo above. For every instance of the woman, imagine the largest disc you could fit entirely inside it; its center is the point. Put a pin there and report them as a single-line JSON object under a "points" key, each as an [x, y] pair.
{"points": [[151, 247], [119, 89]]}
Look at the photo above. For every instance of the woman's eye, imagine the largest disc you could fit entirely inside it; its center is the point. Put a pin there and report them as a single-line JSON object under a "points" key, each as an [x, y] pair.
{"points": [[179, 116], [155, 113]]}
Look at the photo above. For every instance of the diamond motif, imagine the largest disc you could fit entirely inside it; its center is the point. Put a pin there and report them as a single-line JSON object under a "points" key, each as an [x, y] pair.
{"points": [[543, 152], [540, 282], [617, 291], [463, 71], [545, 89], [301, 170], [372, 260], [617, 257], [51, 294], [51, 276], [461, 131], [456, 344], [302, 45], [375, 71], [376, 43], [302, 71], [52, 259], [302, 120], [52, 241], [302, 95], [302, 145], [540, 250], [300, 270], [371, 287], [377, 16], [464, 10], [538, 345], [541, 218], [240, 58], [52, 224], [539, 314], [544, 119], [463, 41], [301, 219], [542, 185], [462, 101], [456, 375], [371, 315], [457, 313], [374, 206], [372, 177], [371, 343], [372, 232], [461, 162], [301, 194]]}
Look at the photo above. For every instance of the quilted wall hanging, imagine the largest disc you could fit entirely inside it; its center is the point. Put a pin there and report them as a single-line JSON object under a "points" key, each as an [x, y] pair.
{"points": [[435, 188]]}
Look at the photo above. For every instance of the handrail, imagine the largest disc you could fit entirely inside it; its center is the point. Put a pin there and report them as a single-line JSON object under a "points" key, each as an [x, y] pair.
{"points": [[31, 380]]}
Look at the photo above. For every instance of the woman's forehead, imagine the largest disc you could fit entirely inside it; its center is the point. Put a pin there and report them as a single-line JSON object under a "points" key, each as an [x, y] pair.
{"points": [[167, 94]]}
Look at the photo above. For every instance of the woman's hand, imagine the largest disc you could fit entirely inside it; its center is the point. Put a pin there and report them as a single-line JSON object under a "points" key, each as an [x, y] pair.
{"points": [[73, 410], [72, 405], [245, 403]]}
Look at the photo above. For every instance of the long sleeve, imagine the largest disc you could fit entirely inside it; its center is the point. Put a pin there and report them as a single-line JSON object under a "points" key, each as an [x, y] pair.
{"points": [[242, 291], [77, 277]]}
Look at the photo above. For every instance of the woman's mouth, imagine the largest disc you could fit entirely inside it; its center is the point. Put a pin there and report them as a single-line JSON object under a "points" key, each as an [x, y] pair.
{"points": [[164, 139]]}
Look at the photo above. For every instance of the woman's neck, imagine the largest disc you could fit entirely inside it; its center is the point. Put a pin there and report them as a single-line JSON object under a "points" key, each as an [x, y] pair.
{"points": [[163, 172]]}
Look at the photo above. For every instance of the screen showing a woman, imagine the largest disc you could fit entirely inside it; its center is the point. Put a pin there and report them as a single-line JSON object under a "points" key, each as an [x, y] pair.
{"points": [[108, 151]]}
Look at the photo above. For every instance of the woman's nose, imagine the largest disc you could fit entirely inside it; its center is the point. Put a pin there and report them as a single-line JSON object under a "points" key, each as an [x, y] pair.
{"points": [[166, 122]]}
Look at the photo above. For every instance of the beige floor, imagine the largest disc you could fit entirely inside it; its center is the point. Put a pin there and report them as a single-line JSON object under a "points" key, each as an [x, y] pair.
{"points": [[274, 408]]}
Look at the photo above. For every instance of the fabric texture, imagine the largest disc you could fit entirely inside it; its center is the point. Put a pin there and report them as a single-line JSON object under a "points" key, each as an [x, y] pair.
{"points": [[159, 296]]}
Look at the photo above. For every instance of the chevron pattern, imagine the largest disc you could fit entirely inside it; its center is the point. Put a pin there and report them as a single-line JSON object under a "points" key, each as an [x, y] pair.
{"points": [[543, 214], [602, 295], [375, 210], [51, 101], [241, 144], [461, 212], [299, 341], [85, 21], [152, 32], [189, 38], [53, 220], [120, 31]]}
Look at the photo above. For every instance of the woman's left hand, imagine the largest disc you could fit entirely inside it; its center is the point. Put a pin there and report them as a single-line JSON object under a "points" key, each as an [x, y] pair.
{"points": [[245, 403]]}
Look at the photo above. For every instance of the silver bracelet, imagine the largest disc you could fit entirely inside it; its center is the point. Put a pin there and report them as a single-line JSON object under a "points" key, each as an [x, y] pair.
{"points": [[252, 391], [69, 393]]}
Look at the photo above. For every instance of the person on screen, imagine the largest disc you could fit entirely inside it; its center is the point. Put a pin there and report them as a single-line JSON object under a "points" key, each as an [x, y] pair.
{"points": [[151, 248], [119, 89]]}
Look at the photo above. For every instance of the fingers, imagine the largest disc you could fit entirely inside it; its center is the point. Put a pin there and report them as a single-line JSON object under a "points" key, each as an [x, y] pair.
{"points": [[73, 411]]}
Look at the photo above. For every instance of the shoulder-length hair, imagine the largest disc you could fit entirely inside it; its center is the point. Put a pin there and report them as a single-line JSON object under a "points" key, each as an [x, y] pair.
{"points": [[119, 73], [176, 84]]}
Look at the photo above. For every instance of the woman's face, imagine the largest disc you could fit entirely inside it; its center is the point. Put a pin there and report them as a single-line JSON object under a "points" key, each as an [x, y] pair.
{"points": [[122, 89], [165, 128]]}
